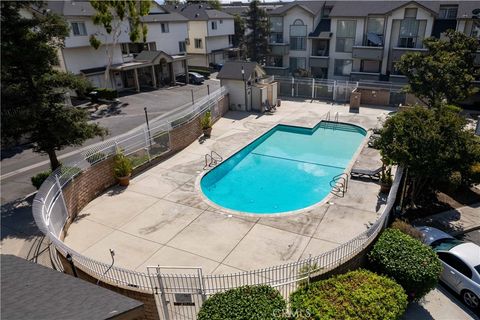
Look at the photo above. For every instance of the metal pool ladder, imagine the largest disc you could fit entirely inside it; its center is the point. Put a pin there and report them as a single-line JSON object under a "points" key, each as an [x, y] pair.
{"points": [[339, 184], [212, 159]]}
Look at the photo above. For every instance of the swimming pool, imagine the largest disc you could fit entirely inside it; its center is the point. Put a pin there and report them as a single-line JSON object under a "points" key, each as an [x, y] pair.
{"points": [[288, 168]]}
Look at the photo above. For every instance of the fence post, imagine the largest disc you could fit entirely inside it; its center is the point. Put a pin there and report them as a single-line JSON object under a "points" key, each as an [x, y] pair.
{"points": [[293, 88], [313, 89], [147, 144], [335, 90]]}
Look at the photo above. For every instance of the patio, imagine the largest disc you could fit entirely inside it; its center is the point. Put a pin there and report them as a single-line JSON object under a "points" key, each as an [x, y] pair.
{"points": [[161, 218]]}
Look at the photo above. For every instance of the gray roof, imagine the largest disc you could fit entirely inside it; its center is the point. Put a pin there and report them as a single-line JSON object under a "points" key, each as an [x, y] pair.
{"points": [[313, 7], [32, 291], [71, 8], [197, 11], [233, 70], [236, 10]]}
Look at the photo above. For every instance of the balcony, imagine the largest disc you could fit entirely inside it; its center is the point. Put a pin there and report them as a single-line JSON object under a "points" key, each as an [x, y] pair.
{"points": [[319, 61], [398, 52], [277, 71], [279, 49], [367, 53], [365, 76]]}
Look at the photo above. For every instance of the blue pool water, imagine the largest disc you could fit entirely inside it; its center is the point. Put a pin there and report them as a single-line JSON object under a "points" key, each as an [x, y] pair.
{"points": [[287, 168]]}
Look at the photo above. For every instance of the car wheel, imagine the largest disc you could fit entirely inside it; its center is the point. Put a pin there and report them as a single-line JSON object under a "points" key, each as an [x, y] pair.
{"points": [[471, 299]]}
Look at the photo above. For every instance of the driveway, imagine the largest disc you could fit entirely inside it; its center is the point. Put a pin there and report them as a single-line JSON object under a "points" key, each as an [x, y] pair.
{"points": [[21, 163]]}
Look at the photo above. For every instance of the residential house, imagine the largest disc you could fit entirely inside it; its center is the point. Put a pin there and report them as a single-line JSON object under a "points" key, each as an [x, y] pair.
{"points": [[359, 40], [130, 69], [210, 34]]}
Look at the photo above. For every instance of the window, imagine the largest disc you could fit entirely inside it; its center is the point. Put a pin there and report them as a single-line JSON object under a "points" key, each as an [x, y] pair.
{"points": [[448, 12], [78, 29], [214, 25], [455, 263], [374, 37], [198, 43], [409, 31], [345, 35], [133, 48], [230, 39], [276, 30], [221, 21], [298, 36], [343, 67], [297, 63], [181, 46], [165, 28]]}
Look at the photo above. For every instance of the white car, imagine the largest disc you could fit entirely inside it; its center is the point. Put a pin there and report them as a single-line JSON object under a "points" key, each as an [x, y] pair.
{"points": [[461, 264]]}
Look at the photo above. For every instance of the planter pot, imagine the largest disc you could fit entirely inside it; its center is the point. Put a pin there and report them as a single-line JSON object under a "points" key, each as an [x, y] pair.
{"points": [[385, 187], [207, 132], [124, 181]]}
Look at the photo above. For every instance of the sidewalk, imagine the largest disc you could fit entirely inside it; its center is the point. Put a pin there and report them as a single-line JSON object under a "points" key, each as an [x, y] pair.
{"points": [[454, 221]]}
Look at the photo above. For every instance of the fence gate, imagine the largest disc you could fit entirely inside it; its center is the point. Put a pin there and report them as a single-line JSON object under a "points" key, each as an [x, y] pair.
{"points": [[180, 293]]}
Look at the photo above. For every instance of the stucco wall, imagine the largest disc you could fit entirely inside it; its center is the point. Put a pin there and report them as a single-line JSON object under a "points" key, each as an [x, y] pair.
{"points": [[87, 57], [196, 30], [167, 42]]}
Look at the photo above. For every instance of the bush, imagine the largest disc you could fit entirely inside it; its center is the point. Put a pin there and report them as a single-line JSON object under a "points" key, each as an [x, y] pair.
{"points": [[412, 264], [106, 93], [248, 302], [475, 173], [39, 178], [454, 181], [358, 294], [407, 229], [122, 166]]}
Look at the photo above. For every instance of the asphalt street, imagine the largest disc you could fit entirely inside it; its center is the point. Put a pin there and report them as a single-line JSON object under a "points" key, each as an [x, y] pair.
{"points": [[19, 164]]}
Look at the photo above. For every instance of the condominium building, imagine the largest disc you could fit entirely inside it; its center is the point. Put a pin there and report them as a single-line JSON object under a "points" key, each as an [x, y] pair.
{"points": [[210, 33], [359, 40], [133, 65]]}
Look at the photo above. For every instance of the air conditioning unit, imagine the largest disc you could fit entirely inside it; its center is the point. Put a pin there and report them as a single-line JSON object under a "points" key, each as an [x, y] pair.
{"points": [[187, 42]]}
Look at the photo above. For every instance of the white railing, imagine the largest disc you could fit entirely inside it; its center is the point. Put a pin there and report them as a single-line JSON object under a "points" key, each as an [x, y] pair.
{"points": [[50, 213]]}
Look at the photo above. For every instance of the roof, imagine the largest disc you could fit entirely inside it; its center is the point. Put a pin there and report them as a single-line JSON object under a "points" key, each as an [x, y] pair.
{"points": [[468, 252], [313, 7], [71, 8], [233, 70], [236, 10], [197, 11], [32, 291], [363, 8]]}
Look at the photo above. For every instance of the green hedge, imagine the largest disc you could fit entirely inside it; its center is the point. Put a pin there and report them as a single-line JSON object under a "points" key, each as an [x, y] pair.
{"points": [[244, 303], [412, 264], [359, 294], [106, 93], [39, 178]]}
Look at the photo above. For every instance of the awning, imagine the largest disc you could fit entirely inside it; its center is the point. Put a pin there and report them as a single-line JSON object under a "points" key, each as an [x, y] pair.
{"points": [[375, 38], [93, 70], [325, 35], [130, 65]]}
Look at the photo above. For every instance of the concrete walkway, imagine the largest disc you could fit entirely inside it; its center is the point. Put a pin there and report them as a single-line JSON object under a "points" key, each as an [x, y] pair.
{"points": [[161, 218]]}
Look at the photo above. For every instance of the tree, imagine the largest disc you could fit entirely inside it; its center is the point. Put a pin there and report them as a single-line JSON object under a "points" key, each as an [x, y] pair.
{"points": [[33, 92], [239, 36], [257, 39], [214, 4], [432, 144], [444, 73], [117, 17]]}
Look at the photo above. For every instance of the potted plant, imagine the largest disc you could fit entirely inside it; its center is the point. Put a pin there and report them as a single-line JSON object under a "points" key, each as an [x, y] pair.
{"points": [[206, 123], [386, 177], [122, 169]]}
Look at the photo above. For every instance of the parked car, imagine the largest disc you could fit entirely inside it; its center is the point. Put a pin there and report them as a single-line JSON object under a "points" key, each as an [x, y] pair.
{"points": [[193, 77], [216, 66], [461, 264]]}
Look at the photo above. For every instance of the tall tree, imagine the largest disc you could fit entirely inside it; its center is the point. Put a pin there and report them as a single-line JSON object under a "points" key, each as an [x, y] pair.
{"points": [[444, 73], [239, 36], [117, 17], [259, 27], [33, 92]]}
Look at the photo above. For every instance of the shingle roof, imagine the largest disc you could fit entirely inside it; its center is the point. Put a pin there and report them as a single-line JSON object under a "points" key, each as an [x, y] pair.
{"points": [[198, 11], [314, 7], [233, 70], [160, 17], [32, 291], [71, 8], [362, 8]]}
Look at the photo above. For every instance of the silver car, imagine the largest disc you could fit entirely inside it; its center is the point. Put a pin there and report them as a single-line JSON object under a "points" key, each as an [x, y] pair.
{"points": [[461, 264]]}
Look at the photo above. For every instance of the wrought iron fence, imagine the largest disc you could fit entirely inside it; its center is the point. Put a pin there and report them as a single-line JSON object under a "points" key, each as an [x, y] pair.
{"points": [[179, 295]]}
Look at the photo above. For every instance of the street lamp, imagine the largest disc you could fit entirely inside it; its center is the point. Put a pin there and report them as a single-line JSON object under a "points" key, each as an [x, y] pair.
{"points": [[245, 87]]}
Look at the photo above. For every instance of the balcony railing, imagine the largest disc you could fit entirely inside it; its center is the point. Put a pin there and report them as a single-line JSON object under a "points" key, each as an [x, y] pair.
{"points": [[367, 53], [280, 49], [398, 52], [319, 61]]}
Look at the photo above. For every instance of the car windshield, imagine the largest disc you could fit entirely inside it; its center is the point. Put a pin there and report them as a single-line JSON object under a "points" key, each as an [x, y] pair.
{"points": [[445, 244], [478, 268]]}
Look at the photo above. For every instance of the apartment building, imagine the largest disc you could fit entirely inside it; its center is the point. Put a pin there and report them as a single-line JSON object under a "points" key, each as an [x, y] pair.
{"points": [[359, 40], [134, 65], [210, 33]]}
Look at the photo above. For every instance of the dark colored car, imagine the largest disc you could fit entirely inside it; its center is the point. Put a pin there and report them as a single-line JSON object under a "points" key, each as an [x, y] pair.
{"points": [[193, 77], [216, 66]]}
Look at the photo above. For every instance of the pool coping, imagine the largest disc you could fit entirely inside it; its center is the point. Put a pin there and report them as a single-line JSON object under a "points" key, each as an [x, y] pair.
{"points": [[326, 199]]}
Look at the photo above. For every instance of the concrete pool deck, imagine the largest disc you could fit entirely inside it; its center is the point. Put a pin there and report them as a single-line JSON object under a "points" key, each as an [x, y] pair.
{"points": [[161, 218]]}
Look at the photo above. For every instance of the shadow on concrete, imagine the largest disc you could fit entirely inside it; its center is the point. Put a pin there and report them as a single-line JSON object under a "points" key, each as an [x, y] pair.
{"points": [[14, 150], [236, 115], [416, 311]]}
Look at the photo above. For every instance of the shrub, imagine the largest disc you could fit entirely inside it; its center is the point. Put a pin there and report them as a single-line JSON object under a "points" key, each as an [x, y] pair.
{"points": [[39, 178], [475, 173], [206, 120], [122, 166], [248, 302], [106, 93], [412, 264], [454, 181], [407, 229], [359, 294]]}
